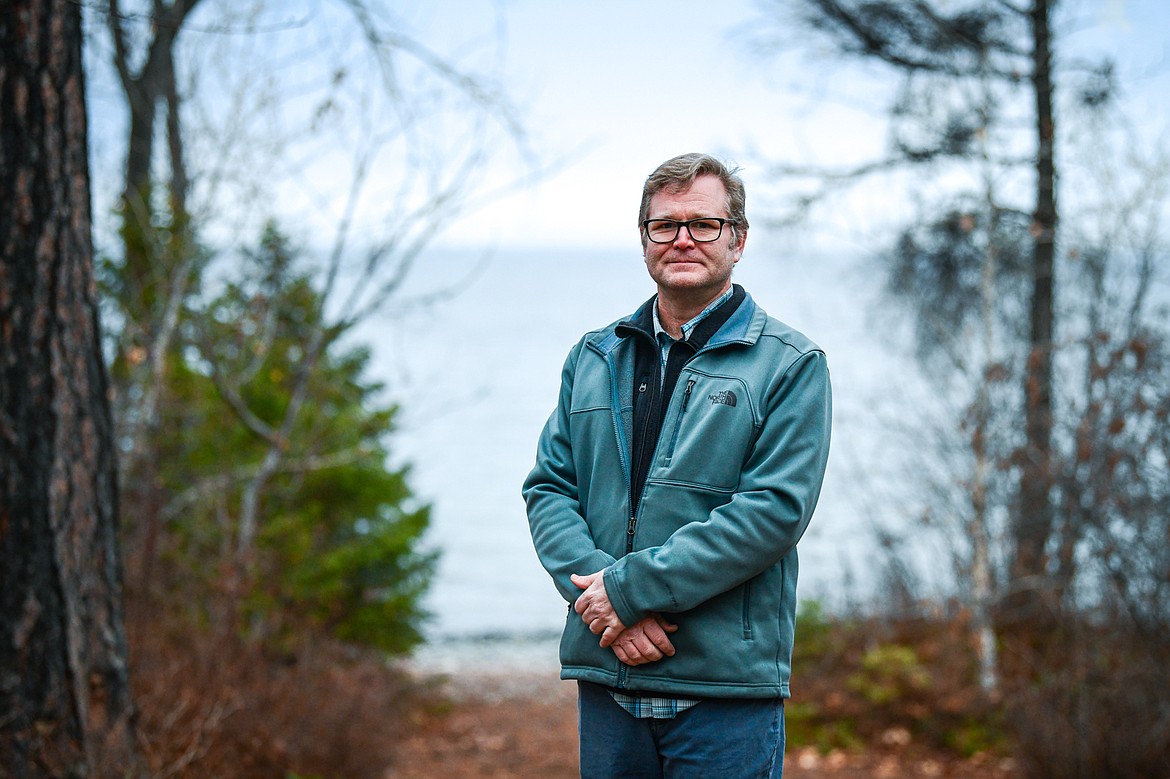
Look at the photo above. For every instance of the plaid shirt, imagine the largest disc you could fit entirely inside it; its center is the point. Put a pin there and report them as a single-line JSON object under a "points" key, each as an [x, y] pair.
{"points": [[644, 706], [637, 704], [665, 341]]}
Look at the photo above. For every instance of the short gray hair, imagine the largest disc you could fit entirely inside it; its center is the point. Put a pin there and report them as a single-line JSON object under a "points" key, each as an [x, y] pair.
{"points": [[679, 173]]}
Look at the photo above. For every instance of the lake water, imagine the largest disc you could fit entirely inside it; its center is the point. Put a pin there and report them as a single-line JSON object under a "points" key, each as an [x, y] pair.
{"points": [[477, 376]]}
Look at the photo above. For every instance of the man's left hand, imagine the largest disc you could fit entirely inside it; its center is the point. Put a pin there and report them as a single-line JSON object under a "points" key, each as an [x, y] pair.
{"points": [[595, 609], [646, 641]]}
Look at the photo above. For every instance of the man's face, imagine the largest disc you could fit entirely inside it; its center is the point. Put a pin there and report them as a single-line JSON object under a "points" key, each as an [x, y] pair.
{"points": [[685, 266]]}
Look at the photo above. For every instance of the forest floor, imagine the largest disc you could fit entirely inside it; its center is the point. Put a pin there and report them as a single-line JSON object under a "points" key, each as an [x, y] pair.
{"points": [[875, 699], [485, 725]]}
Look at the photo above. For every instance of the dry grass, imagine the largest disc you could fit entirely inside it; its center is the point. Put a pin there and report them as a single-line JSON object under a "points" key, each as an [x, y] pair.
{"points": [[871, 699], [1092, 701], [211, 706]]}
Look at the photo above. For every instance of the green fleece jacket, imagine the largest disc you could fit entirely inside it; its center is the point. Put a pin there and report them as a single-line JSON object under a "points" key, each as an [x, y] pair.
{"points": [[730, 490]]}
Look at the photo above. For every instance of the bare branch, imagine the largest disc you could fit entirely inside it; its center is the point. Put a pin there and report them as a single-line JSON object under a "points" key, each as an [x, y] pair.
{"points": [[121, 58], [224, 482], [239, 407]]}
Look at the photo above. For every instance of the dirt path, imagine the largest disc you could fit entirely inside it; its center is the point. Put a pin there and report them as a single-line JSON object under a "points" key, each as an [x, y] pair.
{"points": [[497, 727]]}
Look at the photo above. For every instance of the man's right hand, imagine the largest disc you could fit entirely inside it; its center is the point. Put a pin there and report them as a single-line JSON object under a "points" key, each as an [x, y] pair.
{"points": [[645, 642]]}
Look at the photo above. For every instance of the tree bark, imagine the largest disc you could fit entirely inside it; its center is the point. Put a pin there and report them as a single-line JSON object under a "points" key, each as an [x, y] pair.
{"points": [[65, 707]]}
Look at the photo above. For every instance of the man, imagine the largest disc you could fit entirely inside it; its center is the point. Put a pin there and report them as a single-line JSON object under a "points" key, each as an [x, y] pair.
{"points": [[672, 482]]}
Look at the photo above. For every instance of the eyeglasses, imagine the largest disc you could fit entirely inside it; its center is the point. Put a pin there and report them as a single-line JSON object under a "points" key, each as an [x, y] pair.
{"points": [[702, 230]]}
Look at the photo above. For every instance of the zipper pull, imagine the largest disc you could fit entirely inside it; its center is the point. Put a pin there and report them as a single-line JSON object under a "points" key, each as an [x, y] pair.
{"points": [[687, 394], [630, 525], [642, 387]]}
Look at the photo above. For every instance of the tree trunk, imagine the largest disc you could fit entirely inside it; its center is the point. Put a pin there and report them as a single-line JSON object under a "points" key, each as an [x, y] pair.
{"points": [[65, 708], [146, 90], [1035, 517], [156, 281]]}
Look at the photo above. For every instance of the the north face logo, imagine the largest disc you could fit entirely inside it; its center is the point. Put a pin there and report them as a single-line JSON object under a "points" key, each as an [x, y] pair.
{"points": [[726, 398]]}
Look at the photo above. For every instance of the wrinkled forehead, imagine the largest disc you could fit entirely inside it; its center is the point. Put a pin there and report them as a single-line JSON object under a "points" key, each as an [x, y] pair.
{"points": [[704, 181], [704, 191]]}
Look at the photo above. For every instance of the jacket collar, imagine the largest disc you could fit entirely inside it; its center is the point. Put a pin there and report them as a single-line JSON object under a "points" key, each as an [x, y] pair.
{"points": [[727, 323]]}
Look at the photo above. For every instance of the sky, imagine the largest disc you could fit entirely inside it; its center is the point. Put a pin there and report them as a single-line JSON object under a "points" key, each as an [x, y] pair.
{"points": [[600, 81], [607, 89], [622, 86]]}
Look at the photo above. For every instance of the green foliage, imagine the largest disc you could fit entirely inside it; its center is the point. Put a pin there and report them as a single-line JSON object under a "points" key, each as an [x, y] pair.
{"points": [[888, 674], [971, 738], [858, 681], [338, 528], [814, 629], [808, 724]]}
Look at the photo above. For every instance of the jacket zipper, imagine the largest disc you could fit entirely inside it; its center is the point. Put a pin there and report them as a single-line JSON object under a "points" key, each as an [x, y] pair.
{"points": [[632, 525]]}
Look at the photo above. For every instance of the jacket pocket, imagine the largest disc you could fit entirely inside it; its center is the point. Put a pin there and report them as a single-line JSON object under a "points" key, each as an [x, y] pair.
{"points": [[678, 420], [711, 434], [747, 610]]}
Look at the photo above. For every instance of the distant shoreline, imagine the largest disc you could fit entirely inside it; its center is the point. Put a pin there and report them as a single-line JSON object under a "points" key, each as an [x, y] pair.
{"points": [[491, 667], [534, 651]]}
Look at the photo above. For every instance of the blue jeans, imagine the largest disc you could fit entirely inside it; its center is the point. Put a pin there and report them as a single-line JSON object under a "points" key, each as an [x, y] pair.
{"points": [[715, 739]]}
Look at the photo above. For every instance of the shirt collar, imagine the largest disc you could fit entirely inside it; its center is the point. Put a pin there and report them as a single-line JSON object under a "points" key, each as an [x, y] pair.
{"points": [[660, 331]]}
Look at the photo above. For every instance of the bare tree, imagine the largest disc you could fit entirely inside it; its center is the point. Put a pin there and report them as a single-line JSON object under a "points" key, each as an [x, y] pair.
{"points": [[341, 125], [1043, 457], [1114, 488], [65, 708], [1035, 519], [965, 70]]}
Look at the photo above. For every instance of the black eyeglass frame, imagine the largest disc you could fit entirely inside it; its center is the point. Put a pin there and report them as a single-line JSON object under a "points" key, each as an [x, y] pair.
{"points": [[678, 225]]}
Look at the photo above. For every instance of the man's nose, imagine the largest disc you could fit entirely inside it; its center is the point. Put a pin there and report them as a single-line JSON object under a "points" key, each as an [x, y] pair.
{"points": [[684, 235]]}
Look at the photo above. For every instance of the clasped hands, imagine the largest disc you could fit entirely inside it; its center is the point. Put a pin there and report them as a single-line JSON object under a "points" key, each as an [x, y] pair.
{"points": [[644, 642]]}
